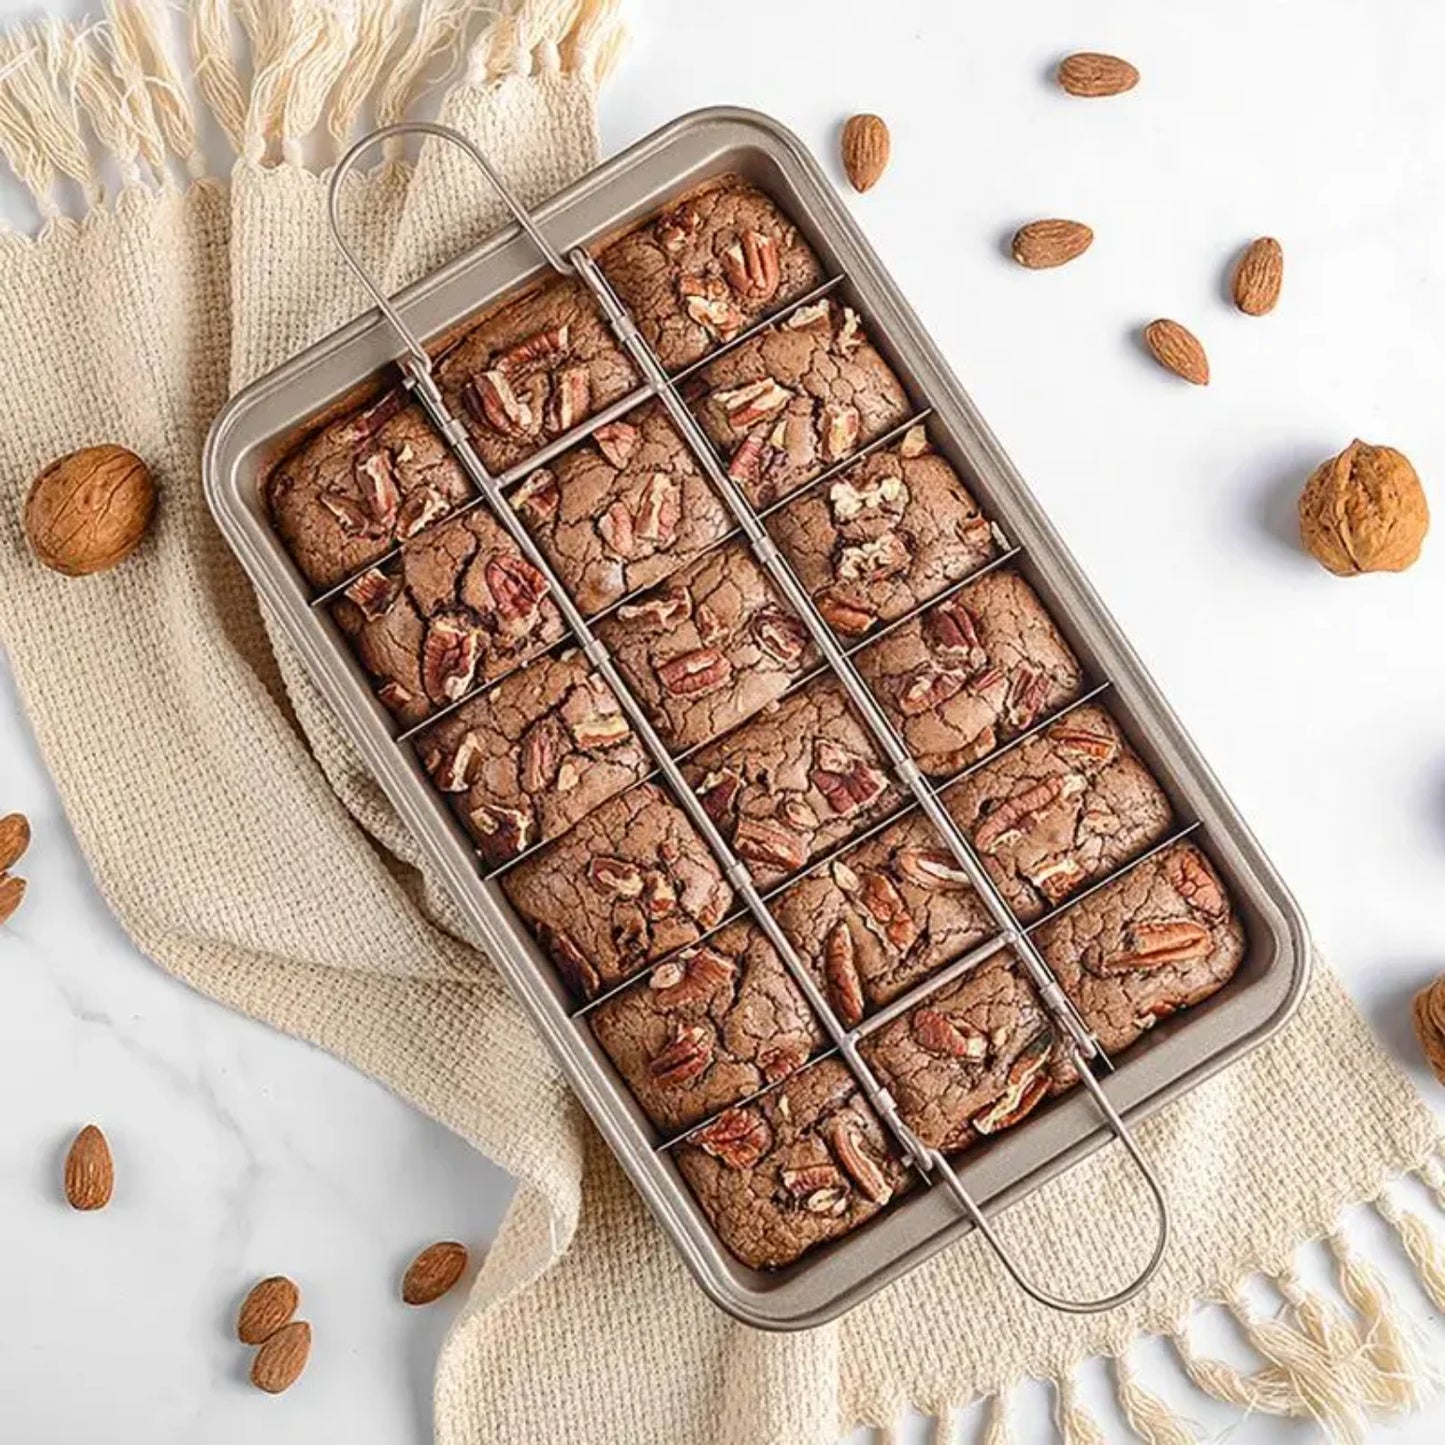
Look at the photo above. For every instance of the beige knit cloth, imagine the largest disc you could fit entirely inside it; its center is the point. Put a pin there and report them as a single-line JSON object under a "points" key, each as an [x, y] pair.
{"points": [[246, 851]]}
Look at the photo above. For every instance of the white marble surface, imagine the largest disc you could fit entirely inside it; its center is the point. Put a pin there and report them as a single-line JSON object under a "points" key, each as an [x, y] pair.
{"points": [[1321, 703]]}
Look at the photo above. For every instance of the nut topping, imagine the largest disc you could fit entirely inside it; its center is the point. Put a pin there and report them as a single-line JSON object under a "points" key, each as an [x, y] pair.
{"points": [[676, 229], [453, 774], [1195, 884], [1071, 737], [739, 1137], [664, 609], [615, 527], [694, 673], [615, 875], [780, 634], [804, 1180], [374, 592], [449, 657], [942, 1035], [394, 696], [842, 616], [914, 443], [840, 973], [594, 718], [718, 793], [953, 629], [541, 346], [686, 1057], [931, 868], [540, 752], [777, 1061], [1156, 945], [517, 588], [850, 333], [616, 441], [1027, 695], [762, 840], [832, 1201], [418, 510], [350, 516], [812, 317], [746, 463], [494, 402], [539, 497], [931, 687], [797, 813], [862, 1168], [849, 500], [751, 266], [659, 897], [840, 426], [570, 961], [567, 776], [659, 510], [509, 830], [692, 978], [571, 399], [1008, 819], [1058, 878], [376, 476], [882, 556], [1028, 1082], [844, 779], [709, 303], [745, 405], [885, 911]]}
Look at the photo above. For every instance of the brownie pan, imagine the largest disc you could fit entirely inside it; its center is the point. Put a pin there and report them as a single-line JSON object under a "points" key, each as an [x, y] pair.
{"points": [[947, 1200]]}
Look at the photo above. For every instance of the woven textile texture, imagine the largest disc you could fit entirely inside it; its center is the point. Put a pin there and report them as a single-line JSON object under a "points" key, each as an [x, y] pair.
{"points": [[247, 852]]}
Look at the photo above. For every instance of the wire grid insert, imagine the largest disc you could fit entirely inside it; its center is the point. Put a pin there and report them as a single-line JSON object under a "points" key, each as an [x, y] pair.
{"points": [[1078, 1041]]}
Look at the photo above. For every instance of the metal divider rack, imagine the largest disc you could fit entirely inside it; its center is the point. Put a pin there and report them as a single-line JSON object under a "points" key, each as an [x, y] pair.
{"points": [[1080, 1046]]}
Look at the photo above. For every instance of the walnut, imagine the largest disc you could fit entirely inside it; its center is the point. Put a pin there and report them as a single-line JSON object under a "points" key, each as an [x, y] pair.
{"points": [[1430, 1025], [89, 510], [1364, 511]]}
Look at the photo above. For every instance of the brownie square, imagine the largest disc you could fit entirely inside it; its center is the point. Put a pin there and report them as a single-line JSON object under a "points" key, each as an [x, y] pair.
{"points": [[1064, 808], [532, 370], [524, 761], [622, 510], [708, 1028], [460, 605], [973, 1060], [628, 884], [359, 486], [706, 269], [806, 1163], [971, 672], [889, 912], [794, 782], [886, 536], [1162, 937], [709, 648], [795, 399]]}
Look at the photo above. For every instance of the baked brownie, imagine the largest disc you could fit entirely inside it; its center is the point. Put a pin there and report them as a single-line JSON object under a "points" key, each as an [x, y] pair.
{"points": [[459, 606], [628, 884], [804, 1164], [1158, 939], [797, 780], [362, 484], [1062, 809], [973, 1060], [795, 399], [622, 510], [530, 756], [709, 648], [971, 672], [708, 1028], [885, 536], [707, 269], [532, 370], [885, 915]]}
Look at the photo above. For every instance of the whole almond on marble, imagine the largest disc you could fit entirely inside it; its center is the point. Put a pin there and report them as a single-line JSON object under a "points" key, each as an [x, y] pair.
{"points": [[12, 890], [1090, 74], [1177, 349], [433, 1272], [14, 839], [269, 1305], [866, 148], [1044, 244], [279, 1362], [1259, 276], [89, 1170]]}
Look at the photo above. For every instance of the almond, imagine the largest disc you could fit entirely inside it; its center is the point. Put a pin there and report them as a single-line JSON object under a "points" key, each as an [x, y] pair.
{"points": [[433, 1272], [1042, 244], [12, 890], [866, 147], [89, 1170], [14, 839], [1091, 74], [1258, 277], [1178, 350], [270, 1304], [279, 1362]]}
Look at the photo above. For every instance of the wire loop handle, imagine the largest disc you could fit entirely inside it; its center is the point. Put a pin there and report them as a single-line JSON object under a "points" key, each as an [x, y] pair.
{"points": [[415, 350]]}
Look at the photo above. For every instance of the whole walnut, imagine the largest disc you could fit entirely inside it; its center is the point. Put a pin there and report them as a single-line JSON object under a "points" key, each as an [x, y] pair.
{"points": [[1364, 511], [89, 510]]}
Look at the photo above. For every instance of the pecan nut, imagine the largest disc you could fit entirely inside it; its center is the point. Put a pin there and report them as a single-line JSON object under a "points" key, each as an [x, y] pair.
{"points": [[686, 1057], [840, 426], [738, 1137], [658, 511], [942, 1035], [846, 781], [692, 978], [571, 399], [571, 962], [780, 634], [883, 556], [804, 1180], [1156, 945], [540, 754], [765, 841], [617, 440], [840, 973], [664, 610], [1058, 877], [452, 773], [1195, 883], [777, 1061], [754, 402], [885, 911], [931, 868], [751, 266], [1008, 819], [849, 498], [451, 651], [376, 476], [615, 875], [930, 687], [374, 592], [517, 589], [843, 615], [539, 497], [1097, 744], [543, 346], [718, 793], [493, 401], [615, 527], [708, 301], [692, 674], [1028, 1082], [861, 1167]]}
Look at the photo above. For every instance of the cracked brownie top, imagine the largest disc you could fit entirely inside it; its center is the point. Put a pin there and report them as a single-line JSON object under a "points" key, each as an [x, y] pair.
{"points": [[973, 1060], [796, 398], [1061, 809], [709, 648], [532, 370], [459, 606], [707, 268], [359, 486], [971, 672], [804, 1164], [892, 910], [884, 537], [708, 1028], [622, 510], [794, 782], [525, 760], [1160, 938], [629, 883]]}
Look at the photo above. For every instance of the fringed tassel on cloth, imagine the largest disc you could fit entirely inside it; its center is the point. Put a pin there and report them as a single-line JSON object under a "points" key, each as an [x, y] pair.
{"points": [[1076, 1425], [1421, 1243], [72, 96], [1148, 1416], [996, 1432]]}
